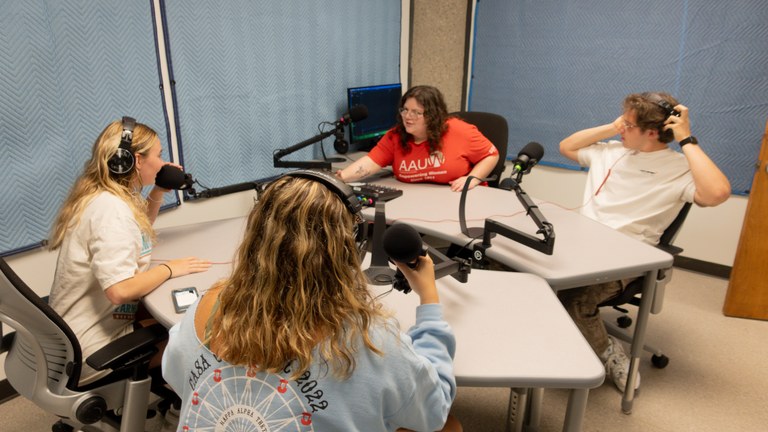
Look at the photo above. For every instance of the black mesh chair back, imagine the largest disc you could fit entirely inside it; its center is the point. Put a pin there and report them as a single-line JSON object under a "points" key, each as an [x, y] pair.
{"points": [[495, 128]]}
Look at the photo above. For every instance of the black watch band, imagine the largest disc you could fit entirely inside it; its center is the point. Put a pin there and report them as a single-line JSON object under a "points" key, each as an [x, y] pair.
{"points": [[690, 140]]}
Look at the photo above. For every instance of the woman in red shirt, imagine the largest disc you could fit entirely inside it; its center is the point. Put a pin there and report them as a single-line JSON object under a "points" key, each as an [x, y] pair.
{"points": [[426, 145]]}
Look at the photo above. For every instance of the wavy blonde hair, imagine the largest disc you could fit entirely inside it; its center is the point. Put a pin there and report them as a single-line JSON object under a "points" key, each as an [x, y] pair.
{"points": [[96, 178], [297, 285]]}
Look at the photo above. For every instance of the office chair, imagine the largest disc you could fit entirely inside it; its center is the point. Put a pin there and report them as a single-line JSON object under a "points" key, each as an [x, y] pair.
{"points": [[44, 361], [633, 291], [495, 128]]}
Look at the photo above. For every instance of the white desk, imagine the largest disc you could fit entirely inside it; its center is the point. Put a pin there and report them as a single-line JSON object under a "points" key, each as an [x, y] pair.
{"points": [[511, 330], [586, 252]]}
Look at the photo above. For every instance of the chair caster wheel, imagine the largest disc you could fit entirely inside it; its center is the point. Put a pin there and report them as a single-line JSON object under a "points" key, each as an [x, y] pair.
{"points": [[660, 361], [624, 321], [60, 426]]}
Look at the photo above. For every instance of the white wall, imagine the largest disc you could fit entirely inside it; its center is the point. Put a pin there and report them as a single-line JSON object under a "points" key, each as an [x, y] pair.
{"points": [[709, 234]]}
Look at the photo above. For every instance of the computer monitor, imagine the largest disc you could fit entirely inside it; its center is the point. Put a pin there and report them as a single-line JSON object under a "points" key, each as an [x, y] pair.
{"points": [[382, 102]]}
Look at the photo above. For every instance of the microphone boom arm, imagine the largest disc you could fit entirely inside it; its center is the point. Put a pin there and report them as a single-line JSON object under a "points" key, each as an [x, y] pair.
{"points": [[280, 153], [545, 229], [457, 268]]}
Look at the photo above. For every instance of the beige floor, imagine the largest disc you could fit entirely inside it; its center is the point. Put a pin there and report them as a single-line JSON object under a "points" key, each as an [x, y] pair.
{"points": [[717, 379]]}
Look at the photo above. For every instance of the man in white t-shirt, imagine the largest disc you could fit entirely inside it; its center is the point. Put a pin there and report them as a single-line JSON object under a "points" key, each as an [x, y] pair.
{"points": [[637, 186]]}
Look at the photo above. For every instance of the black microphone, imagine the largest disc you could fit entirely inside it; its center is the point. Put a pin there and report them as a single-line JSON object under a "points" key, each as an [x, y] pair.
{"points": [[355, 114], [528, 157], [171, 177], [403, 244]]}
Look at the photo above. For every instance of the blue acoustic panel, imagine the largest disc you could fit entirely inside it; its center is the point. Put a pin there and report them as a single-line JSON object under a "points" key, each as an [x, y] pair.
{"points": [[256, 76], [552, 68], [66, 70]]}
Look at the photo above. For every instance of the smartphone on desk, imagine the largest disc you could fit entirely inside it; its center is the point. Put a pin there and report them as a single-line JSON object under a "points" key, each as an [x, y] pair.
{"points": [[183, 298]]}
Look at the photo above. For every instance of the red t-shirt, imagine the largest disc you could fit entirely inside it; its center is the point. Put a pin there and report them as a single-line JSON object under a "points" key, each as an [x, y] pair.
{"points": [[463, 146]]}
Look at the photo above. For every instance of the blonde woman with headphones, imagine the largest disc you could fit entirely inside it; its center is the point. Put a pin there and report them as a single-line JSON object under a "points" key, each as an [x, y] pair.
{"points": [[104, 236]]}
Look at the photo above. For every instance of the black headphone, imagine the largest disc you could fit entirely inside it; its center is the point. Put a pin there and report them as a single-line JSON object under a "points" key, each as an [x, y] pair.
{"points": [[345, 194], [123, 161], [335, 185], [668, 109]]}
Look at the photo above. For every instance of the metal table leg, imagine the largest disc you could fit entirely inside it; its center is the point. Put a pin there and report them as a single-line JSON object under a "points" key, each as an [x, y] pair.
{"points": [[649, 289]]}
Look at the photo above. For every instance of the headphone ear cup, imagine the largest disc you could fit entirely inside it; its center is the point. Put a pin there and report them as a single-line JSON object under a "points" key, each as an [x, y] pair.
{"points": [[121, 162]]}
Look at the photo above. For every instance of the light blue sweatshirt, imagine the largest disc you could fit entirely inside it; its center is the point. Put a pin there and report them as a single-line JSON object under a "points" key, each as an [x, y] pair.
{"points": [[411, 385]]}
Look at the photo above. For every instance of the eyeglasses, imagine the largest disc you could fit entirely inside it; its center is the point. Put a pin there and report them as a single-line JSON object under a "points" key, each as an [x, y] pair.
{"points": [[405, 112], [628, 125]]}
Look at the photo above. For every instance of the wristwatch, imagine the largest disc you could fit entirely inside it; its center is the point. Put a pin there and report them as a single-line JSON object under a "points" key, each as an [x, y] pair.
{"points": [[690, 140]]}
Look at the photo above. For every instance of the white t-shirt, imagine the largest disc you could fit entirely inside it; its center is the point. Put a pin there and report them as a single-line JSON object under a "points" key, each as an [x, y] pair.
{"points": [[640, 193], [105, 247]]}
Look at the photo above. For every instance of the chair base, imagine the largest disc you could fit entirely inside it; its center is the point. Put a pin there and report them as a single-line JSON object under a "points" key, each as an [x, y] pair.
{"points": [[658, 359]]}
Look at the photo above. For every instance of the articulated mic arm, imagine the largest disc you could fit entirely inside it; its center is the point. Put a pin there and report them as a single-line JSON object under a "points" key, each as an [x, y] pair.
{"points": [[545, 229], [291, 164]]}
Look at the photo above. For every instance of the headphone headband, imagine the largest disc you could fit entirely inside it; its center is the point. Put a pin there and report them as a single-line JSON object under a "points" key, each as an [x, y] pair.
{"points": [[335, 185], [126, 137], [669, 110]]}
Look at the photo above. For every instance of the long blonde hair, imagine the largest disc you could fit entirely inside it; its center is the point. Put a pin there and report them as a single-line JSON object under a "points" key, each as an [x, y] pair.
{"points": [[96, 178], [297, 285]]}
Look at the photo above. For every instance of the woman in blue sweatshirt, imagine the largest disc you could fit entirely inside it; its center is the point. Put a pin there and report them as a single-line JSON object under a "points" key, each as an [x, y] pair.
{"points": [[294, 341]]}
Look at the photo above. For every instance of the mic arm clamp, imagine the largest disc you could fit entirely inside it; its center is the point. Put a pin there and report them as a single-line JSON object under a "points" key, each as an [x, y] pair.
{"points": [[545, 245]]}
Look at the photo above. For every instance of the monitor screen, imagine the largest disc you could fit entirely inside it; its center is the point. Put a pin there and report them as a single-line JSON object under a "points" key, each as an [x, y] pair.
{"points": [[382, 102]]}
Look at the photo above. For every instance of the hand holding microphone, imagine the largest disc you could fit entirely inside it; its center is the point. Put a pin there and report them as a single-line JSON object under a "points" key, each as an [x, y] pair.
{"points": [[404, 247], [403, 244], [421, 278], [172, 177]]}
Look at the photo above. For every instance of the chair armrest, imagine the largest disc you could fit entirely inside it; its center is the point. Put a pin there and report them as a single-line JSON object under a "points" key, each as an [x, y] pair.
{"points": [[125, 352]]}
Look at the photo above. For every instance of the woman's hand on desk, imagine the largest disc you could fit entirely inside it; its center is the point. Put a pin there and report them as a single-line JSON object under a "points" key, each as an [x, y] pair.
{"points": [[185, 266], [422, 279], [458, 184]]}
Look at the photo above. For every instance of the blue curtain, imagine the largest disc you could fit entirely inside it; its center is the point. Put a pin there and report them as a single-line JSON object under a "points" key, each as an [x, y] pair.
{"points": [[254, 76], [555, 67], [67, 69]]}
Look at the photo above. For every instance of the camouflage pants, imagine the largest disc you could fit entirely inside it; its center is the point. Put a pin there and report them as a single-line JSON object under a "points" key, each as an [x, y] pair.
{"points": [[581, 304]]}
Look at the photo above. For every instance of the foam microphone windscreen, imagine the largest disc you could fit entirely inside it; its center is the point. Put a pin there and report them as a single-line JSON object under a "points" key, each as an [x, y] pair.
{"points": [[358, 112], [171, 177], [533, 150], [402, 243]]}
